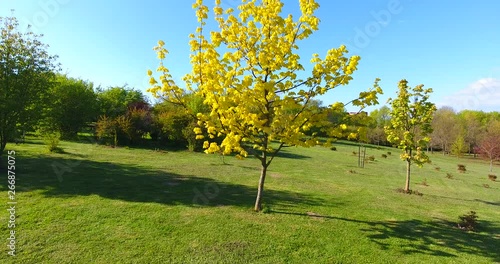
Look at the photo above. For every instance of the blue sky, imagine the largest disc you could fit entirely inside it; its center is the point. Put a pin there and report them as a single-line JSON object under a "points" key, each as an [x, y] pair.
{"points": [[451, 46]]}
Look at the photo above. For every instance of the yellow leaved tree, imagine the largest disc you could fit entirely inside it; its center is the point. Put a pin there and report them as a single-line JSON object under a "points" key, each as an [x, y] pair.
{"points": [[248, 71]]}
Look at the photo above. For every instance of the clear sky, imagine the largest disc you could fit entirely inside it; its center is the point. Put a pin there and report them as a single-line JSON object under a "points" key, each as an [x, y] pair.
{"points": [[451, 46]]}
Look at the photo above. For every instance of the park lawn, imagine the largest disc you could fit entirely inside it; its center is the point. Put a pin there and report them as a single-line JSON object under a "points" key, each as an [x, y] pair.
{"points": [[96, 204]]}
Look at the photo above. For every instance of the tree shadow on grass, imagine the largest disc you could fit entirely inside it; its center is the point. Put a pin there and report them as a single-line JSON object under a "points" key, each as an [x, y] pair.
{"points": [[30, 141], [357, 144], [289, 155], [143, 143], [488, 202], [438, 237], [59, 177], [281, 154], [497, 203], [430, 238]]}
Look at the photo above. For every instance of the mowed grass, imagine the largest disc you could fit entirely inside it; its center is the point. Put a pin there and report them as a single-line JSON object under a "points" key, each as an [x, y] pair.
{"points": [[95, 204]]}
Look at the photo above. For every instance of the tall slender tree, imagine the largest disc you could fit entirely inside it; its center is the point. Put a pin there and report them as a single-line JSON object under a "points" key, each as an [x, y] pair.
{"points": [[410, 125]]}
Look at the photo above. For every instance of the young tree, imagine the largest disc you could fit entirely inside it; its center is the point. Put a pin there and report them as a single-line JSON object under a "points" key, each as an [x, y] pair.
{"points": [[26, 74], [459, 146], [410, 125], [489, 145], [248, 74]]}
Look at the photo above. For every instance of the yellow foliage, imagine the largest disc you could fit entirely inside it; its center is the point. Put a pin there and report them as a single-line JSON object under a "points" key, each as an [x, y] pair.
{"points": [[252, 88]]}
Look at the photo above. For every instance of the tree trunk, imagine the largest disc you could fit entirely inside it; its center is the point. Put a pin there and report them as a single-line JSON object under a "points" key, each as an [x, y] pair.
{"points": [[359, 155], [3, 143], [408, 166], [364, 156], [491, 165], [260, 190], [407, 185]]}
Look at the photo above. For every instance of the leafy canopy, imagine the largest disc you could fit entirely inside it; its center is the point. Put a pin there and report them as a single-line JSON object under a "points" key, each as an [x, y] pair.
{"points": [[247, 72], [26, 75], [411, 119]]}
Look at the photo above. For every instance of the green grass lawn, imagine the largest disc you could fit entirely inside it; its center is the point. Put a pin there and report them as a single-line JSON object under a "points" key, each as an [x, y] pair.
{"points": [[95, 204]]}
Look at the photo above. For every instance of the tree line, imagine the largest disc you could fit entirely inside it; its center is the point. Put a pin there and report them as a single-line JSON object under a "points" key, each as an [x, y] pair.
{"points": [[453, 133]]}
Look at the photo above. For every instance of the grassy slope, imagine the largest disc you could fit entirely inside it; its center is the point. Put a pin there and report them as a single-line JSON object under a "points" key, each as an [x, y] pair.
{"points": [[141, 206]]}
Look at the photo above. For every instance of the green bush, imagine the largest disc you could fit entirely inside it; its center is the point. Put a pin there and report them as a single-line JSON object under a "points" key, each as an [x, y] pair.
{"points": [[106, 130], [193, 144], [52, 140], [140, 120], [172, 127]]}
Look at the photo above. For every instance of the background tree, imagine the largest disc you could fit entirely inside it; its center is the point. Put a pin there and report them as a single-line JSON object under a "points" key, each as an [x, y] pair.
{"points": [[173, 124], [26, 75], [73, 104], [379, 119], [169, 123], [125, 115], [445, 128], [472, 126], [381, 116], [252, 84], [459, 147], [141, 122], [107, 130], [115, 101], [411, 118], [489, 144]]}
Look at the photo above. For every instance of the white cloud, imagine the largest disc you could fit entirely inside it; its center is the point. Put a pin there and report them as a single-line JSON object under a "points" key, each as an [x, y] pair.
{"points": [[484, 94]]}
